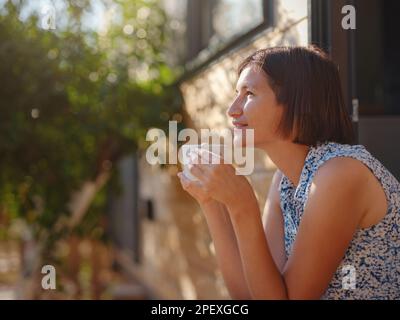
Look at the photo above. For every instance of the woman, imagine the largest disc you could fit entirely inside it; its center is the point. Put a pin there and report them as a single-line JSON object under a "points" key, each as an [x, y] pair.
{"points": [[330, 227]]}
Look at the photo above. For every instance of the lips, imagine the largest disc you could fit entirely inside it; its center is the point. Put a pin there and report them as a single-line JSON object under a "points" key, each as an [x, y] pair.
{"points": [[239, 125]]}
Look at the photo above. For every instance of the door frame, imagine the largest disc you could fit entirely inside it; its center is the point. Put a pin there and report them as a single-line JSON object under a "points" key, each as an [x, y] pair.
{"points": [[325, 31]]}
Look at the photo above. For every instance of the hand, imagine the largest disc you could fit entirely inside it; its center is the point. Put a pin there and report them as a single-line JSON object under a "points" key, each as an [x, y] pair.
{"points": [[216, 181], [195, 189]]}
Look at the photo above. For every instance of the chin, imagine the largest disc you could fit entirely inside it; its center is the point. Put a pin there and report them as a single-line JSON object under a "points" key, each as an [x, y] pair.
{"points": [[240, 141]]}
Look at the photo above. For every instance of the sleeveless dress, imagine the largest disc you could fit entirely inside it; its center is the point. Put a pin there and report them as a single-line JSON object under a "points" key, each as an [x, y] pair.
{"points": [[370, 268]]}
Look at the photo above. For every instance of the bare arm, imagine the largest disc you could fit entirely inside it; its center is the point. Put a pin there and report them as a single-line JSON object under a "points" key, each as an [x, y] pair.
{"points": [[273, 223], [227, 252], [225, 243], [327, 227], [332, 214]]}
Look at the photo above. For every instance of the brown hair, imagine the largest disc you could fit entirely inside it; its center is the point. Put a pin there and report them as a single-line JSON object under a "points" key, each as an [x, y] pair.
{"points": [[306, 82]]}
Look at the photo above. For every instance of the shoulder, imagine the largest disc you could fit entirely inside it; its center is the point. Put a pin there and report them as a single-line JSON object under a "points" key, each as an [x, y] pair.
{"points": [[342, 170], [342, 180], [332, 214]]}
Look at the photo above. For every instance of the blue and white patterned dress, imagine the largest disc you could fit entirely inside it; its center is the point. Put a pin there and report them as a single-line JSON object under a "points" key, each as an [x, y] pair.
{"points": [[373, 256]]}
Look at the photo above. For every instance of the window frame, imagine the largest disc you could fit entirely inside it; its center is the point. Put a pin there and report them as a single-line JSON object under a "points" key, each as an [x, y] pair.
{"points": [[194, 62]]}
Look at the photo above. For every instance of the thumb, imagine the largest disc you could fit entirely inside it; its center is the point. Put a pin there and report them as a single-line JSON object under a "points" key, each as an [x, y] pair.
{"points": [[184, 180]]}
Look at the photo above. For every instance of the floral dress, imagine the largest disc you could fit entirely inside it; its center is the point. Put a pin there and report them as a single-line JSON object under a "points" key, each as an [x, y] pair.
{"points": [[370, 268]]}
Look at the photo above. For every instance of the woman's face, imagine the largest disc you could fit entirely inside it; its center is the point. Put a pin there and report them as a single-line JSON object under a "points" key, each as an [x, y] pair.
{"points": [[255, 107]]}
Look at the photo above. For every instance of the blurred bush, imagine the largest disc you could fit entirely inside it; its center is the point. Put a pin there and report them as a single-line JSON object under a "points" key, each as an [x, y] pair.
{"points": [[73, 101]]}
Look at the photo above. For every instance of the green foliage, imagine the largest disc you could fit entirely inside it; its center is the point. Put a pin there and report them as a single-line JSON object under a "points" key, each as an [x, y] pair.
{"points": [[74, 101]]}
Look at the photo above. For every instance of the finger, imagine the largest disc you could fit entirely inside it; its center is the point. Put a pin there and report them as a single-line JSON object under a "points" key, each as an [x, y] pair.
{"points": [[185, 181], [197, 170], [187, 184], [180, 175]]}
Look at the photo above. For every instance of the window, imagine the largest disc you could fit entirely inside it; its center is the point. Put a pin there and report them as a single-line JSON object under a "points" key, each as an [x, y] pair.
{"points": [[377, 58], [214, 24]]}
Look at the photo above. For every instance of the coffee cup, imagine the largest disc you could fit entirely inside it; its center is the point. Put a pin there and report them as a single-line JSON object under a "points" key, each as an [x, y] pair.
{"points": [[222, 154]]}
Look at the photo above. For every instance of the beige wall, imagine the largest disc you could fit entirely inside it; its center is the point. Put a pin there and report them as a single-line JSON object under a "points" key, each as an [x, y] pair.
{"points": [[178, 256]]}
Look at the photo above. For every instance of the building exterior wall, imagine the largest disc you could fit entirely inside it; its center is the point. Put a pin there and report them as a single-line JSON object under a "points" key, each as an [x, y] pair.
{"points": [[178, 258]]}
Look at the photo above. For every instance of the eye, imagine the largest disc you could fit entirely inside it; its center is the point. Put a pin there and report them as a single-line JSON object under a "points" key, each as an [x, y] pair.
{"points": [[247, 93]]}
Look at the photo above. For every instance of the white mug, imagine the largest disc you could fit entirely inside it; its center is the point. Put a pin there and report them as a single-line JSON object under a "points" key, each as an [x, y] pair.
{"points": [[224, 151]]}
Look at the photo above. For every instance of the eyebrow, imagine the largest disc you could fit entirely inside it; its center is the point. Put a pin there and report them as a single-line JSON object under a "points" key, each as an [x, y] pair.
{"points": [[246, 86]]}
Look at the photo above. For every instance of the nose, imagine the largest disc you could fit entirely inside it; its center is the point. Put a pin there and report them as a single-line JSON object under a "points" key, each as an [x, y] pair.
{"points": [[235, 110]]}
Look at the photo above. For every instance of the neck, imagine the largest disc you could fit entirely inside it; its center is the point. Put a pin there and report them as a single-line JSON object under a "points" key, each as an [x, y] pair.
{"points": [[289, 157]]}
